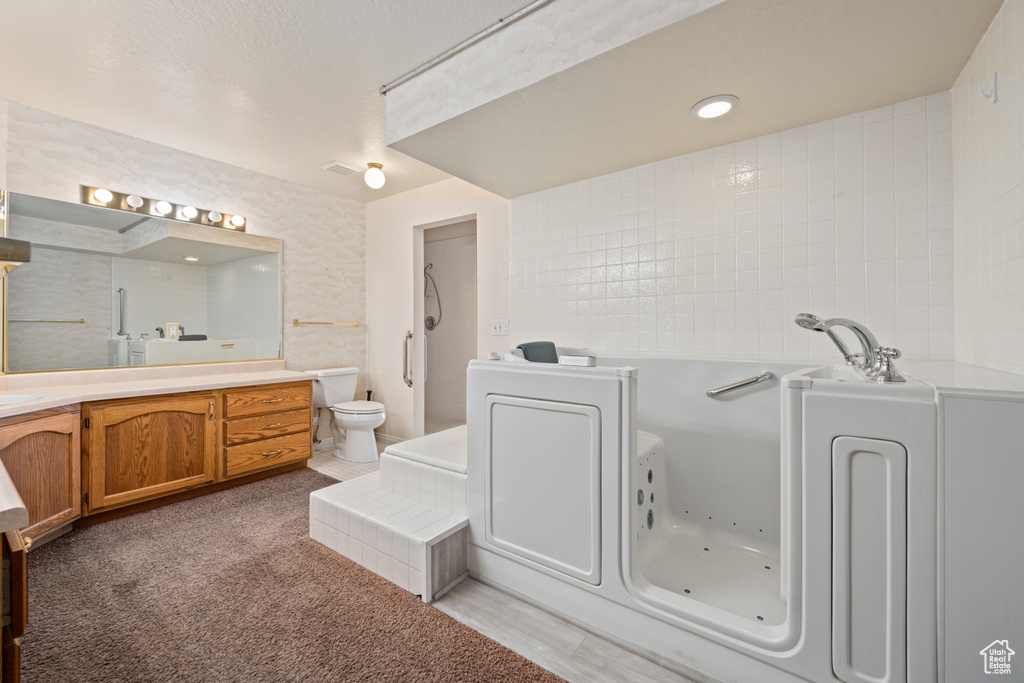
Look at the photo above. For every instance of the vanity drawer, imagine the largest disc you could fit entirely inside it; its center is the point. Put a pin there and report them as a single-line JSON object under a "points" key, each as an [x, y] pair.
{"points": [[268, 398], [259, 455], [265, 426]]}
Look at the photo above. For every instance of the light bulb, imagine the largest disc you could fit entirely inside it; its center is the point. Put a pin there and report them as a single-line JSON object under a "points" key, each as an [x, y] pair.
{"points": [[215, 216], [102, 196], [134, 201], [237, 221], [191, 258], [713, 107], [189, 212], [374, 176], [163, 208]]}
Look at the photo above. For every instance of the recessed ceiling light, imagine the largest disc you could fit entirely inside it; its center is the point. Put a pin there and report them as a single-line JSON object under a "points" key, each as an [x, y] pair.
{"points": [[714, 107], [191, 258]]}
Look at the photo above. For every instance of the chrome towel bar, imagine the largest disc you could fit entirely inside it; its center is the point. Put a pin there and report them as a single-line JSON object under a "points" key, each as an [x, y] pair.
{"points": [[38, 320], [297, 323], [764, 377]]}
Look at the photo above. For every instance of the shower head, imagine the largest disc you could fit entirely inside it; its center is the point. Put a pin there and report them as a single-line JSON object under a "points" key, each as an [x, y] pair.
{"points": [[808, 321]]}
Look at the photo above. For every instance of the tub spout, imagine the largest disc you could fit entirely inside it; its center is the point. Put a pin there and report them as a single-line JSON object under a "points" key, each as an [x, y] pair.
{"points": [[868, 343]]}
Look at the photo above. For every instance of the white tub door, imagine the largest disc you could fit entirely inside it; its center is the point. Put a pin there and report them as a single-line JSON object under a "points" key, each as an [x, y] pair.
{"points": [[543, 474], [869, 560]]}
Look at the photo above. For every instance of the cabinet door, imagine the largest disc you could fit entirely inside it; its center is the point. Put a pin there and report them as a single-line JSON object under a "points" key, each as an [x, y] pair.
{"points": [[149, 448], [42, 458]]}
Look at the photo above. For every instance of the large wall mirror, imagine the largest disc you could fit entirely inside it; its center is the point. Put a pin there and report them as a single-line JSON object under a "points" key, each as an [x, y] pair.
{"points": [[106, 288]]}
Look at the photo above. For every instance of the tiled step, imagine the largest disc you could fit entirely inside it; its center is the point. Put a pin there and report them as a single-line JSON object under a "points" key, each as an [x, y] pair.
{"points": [[417, 546]]}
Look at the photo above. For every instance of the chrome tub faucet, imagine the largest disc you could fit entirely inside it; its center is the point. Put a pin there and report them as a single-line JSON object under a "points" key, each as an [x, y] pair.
{"points": [[875, 361]]}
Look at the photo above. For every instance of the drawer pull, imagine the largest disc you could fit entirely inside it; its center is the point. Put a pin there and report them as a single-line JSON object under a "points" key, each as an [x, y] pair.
{"points": [[26, 541], [272, 400], [271, 426], [278, 451]]}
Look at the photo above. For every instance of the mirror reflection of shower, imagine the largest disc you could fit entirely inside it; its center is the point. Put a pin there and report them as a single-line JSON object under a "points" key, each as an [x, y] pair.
{"points": [[429, 322]]}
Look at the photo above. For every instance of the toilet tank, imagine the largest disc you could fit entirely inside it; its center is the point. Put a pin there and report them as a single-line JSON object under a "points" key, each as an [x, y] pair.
{"points": [[334, 385]]}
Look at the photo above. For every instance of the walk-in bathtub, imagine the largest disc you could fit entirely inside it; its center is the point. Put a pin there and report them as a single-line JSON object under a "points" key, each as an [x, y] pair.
{"points": [[699, 530]]}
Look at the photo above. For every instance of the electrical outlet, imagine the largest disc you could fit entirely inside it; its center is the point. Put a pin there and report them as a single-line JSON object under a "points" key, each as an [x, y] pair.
{"points": [[499, 328]]}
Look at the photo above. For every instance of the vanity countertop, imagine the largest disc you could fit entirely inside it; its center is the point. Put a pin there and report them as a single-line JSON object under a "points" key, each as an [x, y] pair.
{"points": [[50, 390]]}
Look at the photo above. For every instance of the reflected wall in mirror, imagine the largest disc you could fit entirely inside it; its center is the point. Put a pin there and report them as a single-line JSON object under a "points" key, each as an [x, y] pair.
{"points": [[103, 285]]}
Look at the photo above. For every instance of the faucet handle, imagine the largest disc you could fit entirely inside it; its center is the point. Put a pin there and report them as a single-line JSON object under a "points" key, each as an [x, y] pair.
{"points": [[884, 370]]}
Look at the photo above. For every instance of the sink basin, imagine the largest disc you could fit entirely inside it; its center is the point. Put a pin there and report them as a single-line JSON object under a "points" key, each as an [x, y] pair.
{"points": [[11, 399]]}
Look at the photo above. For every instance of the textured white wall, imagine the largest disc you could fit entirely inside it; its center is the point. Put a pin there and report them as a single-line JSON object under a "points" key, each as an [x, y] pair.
{"points": [[713, 253], [988, 153], [62, 285], [394, 287], [324, 235], [452, 344]]}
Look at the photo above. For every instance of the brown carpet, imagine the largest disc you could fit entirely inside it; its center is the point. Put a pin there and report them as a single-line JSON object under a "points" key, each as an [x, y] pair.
{"points": [[229, 587]]}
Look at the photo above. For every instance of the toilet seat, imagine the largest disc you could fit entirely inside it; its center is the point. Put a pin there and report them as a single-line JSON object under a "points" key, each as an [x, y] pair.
{"points": [[359, 407]]}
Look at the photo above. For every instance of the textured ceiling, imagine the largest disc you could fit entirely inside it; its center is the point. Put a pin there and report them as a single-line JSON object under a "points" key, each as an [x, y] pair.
{"points": [[284, 86], [276, 86], [790, 62]]}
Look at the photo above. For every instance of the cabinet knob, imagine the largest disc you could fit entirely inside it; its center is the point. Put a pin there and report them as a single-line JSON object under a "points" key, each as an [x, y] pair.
{"points": [[272, 453], [26, 541]]}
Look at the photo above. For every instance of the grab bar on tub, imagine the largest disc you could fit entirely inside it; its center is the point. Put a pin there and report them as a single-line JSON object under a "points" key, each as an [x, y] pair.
{"points": [[405, 358], [764, 377]]}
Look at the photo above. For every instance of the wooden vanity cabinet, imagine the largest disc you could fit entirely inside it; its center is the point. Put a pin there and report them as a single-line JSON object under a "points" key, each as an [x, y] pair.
{"points": [[13, 604], [41, 454], [142, 448], [266, 426]]}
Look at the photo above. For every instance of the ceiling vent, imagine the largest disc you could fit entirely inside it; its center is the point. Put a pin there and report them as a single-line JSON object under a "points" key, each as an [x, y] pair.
{"points": [[340, 168]]}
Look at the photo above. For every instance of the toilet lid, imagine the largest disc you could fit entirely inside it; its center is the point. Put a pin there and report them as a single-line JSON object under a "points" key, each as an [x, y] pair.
{"points": [[359, 407]]}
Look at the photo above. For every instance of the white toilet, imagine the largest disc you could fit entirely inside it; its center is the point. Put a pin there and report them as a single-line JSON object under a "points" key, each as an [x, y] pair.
{"points": [[334, 388]]}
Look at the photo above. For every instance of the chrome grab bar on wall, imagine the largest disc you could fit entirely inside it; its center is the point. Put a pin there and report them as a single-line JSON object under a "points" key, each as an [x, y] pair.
{"points": [[121, 293], [405, 358], [739, 385], [39, 320]]}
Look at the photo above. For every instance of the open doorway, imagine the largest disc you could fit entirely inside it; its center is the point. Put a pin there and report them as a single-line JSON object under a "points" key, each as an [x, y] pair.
{"points": [[449, 321]]}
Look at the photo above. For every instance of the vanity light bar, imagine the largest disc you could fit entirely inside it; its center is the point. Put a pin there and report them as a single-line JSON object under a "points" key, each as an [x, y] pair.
{"points": [[160, 208]]}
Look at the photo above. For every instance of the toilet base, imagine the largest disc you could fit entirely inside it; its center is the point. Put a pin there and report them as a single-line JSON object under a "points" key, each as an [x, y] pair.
{"points": [[360, 446]]}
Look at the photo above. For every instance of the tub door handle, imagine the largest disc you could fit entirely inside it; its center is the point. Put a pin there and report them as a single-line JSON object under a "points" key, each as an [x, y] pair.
{"points": [[405, 358], [764, 377]]}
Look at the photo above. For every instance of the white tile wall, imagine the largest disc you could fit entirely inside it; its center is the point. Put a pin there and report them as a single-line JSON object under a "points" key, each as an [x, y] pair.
{"points": [[158, 293], [988, 151], [713, 253], [244, 302], [452, 344]]}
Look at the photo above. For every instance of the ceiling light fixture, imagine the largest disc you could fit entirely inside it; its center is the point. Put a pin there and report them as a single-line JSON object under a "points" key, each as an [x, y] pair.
{"points": [[191, 258], [713, 107], [374, 176], [134, 201], [215, 216], [189, 211], [163, 208], [237, 221], [103, 196]]}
